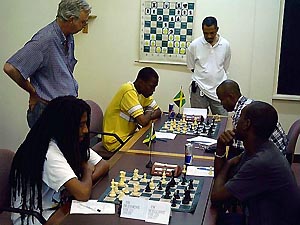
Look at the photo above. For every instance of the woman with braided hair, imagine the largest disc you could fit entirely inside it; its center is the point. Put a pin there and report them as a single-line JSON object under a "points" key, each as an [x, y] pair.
{"points": [[55, 157]]}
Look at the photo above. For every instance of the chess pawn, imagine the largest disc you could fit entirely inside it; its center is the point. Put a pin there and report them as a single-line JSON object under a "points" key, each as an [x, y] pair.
{"points": [[125, 189], [210, 172], [135, 190], [112, 193], [163, 180], [116, 187], [122, 179], [184, 169], [135, 174], [144, 179], [112, 183], [121, 196], [152, 185]]}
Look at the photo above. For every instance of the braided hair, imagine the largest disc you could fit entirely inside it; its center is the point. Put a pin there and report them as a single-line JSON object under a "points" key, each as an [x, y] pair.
{"points": [[60, 122]]}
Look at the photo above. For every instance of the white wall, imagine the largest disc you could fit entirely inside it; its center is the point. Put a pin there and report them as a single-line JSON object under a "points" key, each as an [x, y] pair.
{"points": [[107, 54]]}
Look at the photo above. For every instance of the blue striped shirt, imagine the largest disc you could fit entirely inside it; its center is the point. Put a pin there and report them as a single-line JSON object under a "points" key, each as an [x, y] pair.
{"points": [[48, 62]]}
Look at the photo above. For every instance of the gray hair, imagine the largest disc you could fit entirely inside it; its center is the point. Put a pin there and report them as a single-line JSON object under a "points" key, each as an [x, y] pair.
{"points": [[69, 8]]}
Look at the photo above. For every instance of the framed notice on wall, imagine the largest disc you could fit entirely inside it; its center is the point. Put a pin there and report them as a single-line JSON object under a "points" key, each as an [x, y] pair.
{"points": [[166, 31]]}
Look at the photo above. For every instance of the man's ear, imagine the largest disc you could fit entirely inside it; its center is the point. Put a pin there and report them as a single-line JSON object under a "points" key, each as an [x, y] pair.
{"points": [[248, 124]]}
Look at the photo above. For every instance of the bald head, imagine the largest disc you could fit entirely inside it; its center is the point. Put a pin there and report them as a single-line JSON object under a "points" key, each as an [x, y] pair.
{"points": [[229, 93]]}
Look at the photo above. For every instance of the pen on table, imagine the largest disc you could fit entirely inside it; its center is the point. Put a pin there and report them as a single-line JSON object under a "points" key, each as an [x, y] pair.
{"points": [[204, 168], [91, 208]]}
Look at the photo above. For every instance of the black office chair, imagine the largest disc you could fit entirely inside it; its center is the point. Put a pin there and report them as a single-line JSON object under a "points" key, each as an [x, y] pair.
{"points": [[96, 129], [6, 158], [292, 137]]}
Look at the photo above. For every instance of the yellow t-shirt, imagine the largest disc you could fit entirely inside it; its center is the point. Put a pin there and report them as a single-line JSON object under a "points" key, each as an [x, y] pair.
{"points": [[120, 115]]}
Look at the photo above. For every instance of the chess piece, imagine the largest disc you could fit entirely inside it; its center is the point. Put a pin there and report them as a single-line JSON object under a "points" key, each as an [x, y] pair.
{"points": [[144, 179], [121, 196], [135, 190], [191, 186], [148, 189], [172, 181], [184, 179], [112, 193], [167, 192], [116, 185], [183, 169], [187, 197], [152, 185], [135, 174], [122, 178], [125, 189], [120, 208], [173, 202], [176, 195], [210, 172], [160, 186], [163, 180]]}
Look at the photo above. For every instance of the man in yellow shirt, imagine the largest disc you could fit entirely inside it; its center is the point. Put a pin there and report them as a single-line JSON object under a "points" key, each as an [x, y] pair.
{"points": [[133, 105]]}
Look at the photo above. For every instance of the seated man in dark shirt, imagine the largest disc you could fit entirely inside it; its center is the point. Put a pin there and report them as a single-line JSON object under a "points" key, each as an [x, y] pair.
{"points": [[264, 181]]}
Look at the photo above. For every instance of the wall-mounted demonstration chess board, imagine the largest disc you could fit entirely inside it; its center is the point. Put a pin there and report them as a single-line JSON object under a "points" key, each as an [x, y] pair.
{"points": [[183, 196]]}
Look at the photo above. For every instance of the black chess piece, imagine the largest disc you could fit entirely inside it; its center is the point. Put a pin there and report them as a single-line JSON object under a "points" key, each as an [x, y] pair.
{"points": [[172, 181], [176, 195], [167, 192], [187, 197], [213, 122], [184, 179], [148, 189], [207, 121], [173, 202], [120, 208], [201, 119], [210, 131], [160, 186], [191, 186]]}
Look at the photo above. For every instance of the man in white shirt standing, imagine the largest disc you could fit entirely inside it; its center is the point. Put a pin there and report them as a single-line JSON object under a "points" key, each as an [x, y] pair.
{"points": [[208, 57]]}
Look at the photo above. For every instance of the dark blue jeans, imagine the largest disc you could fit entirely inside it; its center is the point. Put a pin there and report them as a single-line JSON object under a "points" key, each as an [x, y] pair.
{"points": [[35, 113]]}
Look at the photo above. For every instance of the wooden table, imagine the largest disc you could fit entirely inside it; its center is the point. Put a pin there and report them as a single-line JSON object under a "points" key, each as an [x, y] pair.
{"points": [[131, 157]]}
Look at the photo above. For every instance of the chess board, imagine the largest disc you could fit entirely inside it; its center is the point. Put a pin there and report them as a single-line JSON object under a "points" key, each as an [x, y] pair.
{"points": [[166, 30], [158, 195], [208, 128]]}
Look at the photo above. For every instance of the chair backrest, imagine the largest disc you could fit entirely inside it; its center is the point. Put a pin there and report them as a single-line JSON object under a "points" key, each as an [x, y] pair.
{"points": [[6, 157], [96, 118], [292, 136]]}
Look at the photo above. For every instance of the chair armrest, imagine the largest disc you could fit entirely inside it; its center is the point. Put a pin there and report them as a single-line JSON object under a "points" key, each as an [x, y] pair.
{"points": [[36, 214], [110, 134]]}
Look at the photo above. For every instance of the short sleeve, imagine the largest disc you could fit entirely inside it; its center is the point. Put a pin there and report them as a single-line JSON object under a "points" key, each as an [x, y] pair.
{"points": [[32, 52], [94, 157], [130, 104], [57, 171]]}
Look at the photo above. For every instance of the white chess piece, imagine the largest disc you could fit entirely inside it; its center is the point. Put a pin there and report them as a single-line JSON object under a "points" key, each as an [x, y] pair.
{"points": [[116, 187], [151, 184], [135, 190], [112, 193], [184, 169], [144, 179], [125, 189], [163, 180], [121, 195], [122, 178], [135, 174]]}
